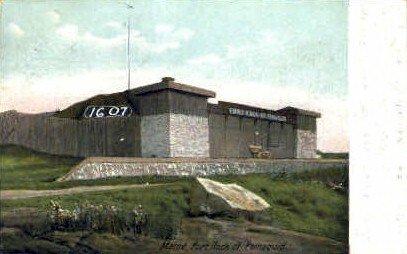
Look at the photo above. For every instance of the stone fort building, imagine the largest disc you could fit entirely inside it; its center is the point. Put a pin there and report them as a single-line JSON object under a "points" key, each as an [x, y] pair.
{"points": [[166, 119]]}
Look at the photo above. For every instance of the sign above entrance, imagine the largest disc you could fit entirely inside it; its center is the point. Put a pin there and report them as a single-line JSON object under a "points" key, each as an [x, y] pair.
{"points": [[107, 111], [261, 115]]}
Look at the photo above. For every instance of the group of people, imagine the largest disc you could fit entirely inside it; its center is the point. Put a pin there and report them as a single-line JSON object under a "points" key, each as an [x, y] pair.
{"points": [[106, 218]]}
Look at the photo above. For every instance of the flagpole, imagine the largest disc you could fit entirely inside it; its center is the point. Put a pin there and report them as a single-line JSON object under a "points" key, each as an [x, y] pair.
{"points": [[128, 53]]}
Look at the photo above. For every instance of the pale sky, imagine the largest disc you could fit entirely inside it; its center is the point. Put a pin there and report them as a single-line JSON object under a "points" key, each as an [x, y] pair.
{"points": [[264, 53]]}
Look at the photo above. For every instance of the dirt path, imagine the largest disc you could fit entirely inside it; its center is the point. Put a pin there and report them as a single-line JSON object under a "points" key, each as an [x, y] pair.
{"points": [[19, 194]]}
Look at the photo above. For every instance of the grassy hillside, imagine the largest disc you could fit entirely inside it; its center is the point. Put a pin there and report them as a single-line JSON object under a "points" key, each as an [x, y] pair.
{"points": [[76, 110], [300, 202], [23, 168]]}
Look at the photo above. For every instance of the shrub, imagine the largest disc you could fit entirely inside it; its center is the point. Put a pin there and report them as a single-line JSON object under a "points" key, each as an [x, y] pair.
{"points": [[163, 226], [30, 222]]}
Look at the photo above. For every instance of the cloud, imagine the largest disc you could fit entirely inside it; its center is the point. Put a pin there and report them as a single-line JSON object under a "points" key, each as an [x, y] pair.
{"points": [[236, 52], [106, 42], [162, 43], [163, 29], [137, 41], [164, 46], [54, 16], [183, 34], [267, 37], [69, 32], [15, 29], [169, 31], [169, 38], [114, 25], [262, 40], [207, 59]]}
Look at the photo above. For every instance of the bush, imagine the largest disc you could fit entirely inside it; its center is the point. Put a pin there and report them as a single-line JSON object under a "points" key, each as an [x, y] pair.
{"points": [[104, 218], [31, 223], [163, 226]]}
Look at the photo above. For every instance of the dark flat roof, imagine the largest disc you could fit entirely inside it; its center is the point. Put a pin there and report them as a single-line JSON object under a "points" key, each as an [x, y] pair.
{"points": [[299, 111], [168, 83], [227, 104], [294, 110]]}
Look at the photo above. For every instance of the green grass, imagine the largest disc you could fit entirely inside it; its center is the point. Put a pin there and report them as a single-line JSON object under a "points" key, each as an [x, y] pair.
{"points": [[299, 202], [22, 168], [13, 156], [154, 199], [302, 205]]}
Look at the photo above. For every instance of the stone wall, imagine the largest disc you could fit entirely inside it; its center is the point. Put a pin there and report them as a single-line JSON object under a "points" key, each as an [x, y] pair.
{"points": [[155, 135], [174, 135], [96, 168], [306, 144], [189, 136]]}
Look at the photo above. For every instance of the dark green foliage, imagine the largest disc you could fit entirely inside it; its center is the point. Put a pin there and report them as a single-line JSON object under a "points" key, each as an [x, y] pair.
{"points": [[323, 155], [76, 110], [15, 241], [163, 226], [100, 219], [197, 201], [89, 217], [334, 175], [29, 221]]}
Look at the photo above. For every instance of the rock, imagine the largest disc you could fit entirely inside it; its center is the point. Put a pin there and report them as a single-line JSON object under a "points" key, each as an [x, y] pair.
{"points": [[215, 198]]}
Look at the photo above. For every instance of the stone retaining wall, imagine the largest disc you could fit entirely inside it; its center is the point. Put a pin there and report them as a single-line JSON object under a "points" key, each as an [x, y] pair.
{"points": [[96, 168]]}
